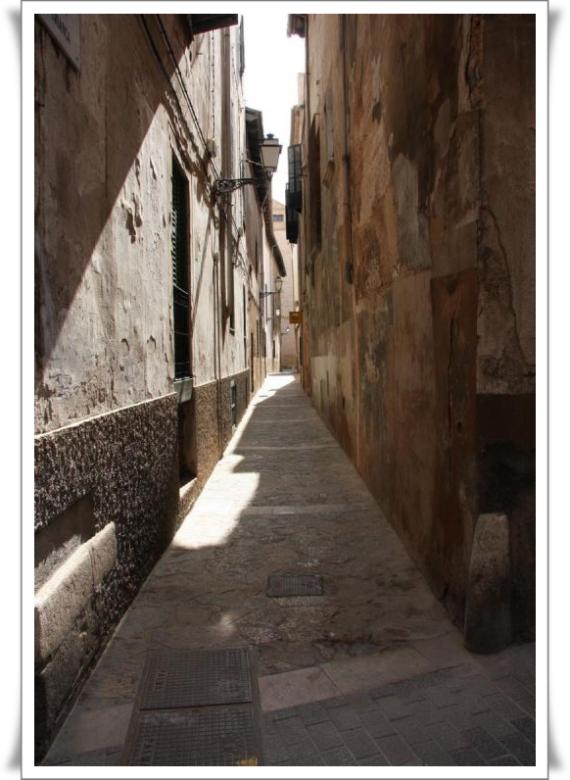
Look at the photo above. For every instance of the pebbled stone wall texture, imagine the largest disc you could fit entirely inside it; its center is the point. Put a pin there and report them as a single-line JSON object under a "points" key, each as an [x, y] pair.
{"points": [[126, 461], [417, 271], [213, 427]]}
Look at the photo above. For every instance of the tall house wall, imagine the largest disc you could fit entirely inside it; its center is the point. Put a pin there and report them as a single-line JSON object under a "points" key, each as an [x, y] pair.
{"points": [[417, 264], [288, 299], [116, 434], [268, 304]]}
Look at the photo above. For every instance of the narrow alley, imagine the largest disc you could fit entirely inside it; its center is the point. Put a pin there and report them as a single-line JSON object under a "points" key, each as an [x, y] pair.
{"points": [[285, 435], [371, 671]]}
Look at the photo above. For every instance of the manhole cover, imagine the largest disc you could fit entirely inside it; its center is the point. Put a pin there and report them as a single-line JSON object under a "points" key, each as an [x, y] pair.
{"points": [[294, 585], [213, 737], [195, 678]]}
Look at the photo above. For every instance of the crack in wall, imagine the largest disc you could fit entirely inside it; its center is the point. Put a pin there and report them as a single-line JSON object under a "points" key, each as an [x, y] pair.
{"points": [[497, 230]]}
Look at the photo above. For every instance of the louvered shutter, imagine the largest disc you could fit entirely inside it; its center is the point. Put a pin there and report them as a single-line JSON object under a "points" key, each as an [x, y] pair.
{"points": [[179, 254]]}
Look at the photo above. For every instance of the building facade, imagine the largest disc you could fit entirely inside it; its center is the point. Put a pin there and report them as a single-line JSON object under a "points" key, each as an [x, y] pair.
{"points": [[288, 300], [415, 229], [266, 261], [145, 309]]}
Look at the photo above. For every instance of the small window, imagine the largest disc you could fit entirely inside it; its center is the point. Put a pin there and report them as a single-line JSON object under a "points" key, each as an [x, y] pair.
{"points": [[278, 217]]}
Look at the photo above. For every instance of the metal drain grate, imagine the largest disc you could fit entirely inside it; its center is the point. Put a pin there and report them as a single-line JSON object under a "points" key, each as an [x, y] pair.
{"points": [[214, 737], [279, 585], [195, 678]]}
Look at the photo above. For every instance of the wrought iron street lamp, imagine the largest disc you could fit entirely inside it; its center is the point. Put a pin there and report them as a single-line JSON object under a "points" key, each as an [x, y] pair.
{"points": [[270, 150], [276, 291]]}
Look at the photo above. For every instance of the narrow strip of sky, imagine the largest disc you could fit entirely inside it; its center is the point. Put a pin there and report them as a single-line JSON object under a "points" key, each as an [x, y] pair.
{"points": [[272, 64]]}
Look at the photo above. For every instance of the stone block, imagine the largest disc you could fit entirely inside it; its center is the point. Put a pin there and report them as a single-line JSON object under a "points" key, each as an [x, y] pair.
{"points": [[466, 757], [397, 751], [345, 718], [103, 551], [91, 730], [287, 689], [377, 669], [359, 743], [338, 757], [432, 754], [520, 748], [62, 598], [378, 759], [292, 731], [483, 743], [487, 614], [325, 735]]}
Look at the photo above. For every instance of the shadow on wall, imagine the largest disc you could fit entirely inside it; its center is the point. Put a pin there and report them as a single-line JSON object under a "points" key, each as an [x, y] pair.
{"points": [[105, 122], [208, 590]]}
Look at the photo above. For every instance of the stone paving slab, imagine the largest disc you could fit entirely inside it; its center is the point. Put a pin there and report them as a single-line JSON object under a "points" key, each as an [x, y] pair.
{"points": [[278, 691], [377, 668], [392, 725]]}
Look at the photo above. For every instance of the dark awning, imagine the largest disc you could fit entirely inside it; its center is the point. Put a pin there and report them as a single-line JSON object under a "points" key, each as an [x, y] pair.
{"points": [[297, 25], [201, 23]]}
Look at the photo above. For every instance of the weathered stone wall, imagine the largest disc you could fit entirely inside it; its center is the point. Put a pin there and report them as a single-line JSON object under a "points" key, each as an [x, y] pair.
{"points": [[111, 434], [103, 276], [419, 284], [105, 137], [256, 246], [213, 423], [289, 296], [125, 463], [506, 310]]}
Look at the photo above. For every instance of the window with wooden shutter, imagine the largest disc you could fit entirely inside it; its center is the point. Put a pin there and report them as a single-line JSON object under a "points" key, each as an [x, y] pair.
{"points": [[180, 280], [292, 219]]}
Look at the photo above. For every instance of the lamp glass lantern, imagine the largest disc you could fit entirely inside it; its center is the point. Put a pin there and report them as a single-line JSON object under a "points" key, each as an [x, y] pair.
{"points": [[270, 150], [278, 284]]}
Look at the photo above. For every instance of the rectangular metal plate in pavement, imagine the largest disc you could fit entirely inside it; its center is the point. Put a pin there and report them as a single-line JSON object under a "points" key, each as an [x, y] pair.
{"points": [[279, 585], [221, 736], [196, 678]]}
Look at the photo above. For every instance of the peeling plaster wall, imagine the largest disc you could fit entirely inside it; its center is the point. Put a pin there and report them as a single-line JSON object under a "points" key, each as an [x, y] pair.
{"points": [[210, 266], [104, 141], [506, 311], [506, 350], [419, 296], [103, 276], [108, 421]]}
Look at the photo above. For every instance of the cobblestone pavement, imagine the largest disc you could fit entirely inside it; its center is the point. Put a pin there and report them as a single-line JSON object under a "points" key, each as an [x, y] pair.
{"points": [[452, 716], [286, 499]]}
